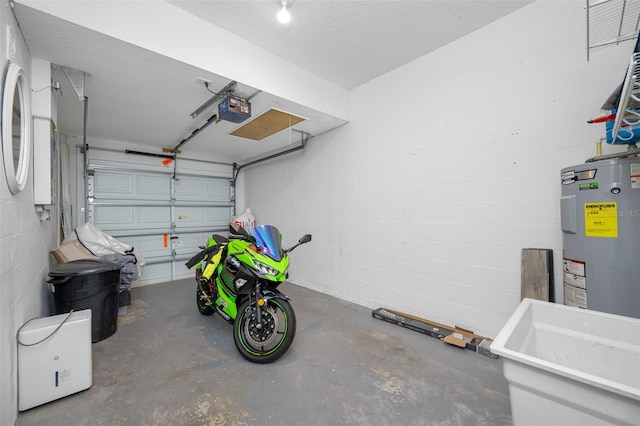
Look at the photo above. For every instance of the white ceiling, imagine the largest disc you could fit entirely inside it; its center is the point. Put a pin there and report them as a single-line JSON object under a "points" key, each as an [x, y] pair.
{"points": [[144, 98]]}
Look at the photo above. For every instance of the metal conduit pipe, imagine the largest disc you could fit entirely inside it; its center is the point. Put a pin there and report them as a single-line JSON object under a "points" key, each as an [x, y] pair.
{"points": [[632, 151], [85, 147], [236, 168]]}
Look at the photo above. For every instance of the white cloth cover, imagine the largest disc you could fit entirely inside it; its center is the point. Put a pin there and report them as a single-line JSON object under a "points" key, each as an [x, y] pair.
{"points": [[101, 244]]}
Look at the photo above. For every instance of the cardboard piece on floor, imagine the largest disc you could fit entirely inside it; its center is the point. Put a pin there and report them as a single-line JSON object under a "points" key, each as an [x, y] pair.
{"points": [[456, 336], [456, 339]]}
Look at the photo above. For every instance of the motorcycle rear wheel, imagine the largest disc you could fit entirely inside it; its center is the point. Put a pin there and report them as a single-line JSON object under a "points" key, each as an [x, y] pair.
{"points": [[271, 341]]}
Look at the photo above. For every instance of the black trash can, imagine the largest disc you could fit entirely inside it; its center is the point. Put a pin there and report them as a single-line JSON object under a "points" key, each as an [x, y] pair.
{"points": [[88, 284]]}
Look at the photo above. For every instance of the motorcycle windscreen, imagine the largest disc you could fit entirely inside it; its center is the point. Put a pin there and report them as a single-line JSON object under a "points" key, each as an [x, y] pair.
{"points": [[269, 241]]}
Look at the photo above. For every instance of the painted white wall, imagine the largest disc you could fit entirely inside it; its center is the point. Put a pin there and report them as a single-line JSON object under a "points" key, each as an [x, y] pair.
{"points": [[25, 242], [449, 166]]}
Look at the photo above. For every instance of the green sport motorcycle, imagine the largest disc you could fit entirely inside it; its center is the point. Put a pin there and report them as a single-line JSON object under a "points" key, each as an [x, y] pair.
{"points": [[238, 278]]}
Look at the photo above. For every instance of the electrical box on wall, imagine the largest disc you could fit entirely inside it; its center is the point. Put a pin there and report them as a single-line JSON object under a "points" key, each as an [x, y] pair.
{"points": [[233, 109], [45, 179]]}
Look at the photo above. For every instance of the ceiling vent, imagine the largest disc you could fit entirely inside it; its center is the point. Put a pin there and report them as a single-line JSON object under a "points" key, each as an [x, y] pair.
{"points": [[267, 124]]}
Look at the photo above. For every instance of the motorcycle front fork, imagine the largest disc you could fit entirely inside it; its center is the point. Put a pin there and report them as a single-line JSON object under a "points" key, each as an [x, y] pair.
{"points": [[260, 302]]}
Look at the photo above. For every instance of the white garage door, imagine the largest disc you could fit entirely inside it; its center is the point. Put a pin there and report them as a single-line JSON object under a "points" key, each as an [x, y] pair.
{"points": [[136, 200]]}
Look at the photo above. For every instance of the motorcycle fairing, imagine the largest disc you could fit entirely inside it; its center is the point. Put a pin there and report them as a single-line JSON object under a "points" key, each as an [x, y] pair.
{"points": [[214, 248], [213, 261], [227, 304]]}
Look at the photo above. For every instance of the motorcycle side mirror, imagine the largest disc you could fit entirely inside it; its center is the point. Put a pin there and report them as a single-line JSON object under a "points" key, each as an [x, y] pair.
{"points": [[236, 229], [304, 239]]}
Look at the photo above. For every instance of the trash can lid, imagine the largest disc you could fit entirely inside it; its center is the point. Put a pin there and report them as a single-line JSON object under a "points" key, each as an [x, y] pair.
{"points": [[82, 267]]}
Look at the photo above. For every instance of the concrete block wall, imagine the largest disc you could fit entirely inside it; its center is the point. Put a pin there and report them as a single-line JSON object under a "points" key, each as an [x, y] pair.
{"points": [[449, 166], [25, 242]]}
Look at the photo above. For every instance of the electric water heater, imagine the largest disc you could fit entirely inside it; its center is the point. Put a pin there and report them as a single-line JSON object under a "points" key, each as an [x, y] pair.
{"points": [[600, 220]]}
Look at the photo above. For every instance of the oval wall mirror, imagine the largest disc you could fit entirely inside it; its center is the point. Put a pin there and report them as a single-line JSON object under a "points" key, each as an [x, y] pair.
{"points": [[16, 127]]}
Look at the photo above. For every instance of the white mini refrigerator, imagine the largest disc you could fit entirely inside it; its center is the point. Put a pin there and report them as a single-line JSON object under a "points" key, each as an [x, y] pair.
{"points": [[54, 358]]}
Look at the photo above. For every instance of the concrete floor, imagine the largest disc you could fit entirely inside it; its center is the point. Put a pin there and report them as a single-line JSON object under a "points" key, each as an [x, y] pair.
{"points": [[169, 365]]}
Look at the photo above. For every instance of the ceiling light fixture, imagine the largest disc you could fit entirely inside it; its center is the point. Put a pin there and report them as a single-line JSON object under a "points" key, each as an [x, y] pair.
{"points": [[284, 17]]}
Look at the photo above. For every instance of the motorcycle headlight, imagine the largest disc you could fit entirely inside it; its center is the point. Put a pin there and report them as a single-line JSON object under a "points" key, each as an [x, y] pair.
{"points": [[265, 269]]}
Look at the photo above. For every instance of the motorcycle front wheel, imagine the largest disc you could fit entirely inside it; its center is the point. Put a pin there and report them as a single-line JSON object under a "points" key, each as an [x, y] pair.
{"points": [[272, 339]]}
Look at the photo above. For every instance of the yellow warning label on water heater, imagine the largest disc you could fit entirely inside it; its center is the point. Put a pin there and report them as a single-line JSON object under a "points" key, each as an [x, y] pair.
{"points": [[601, 219]]}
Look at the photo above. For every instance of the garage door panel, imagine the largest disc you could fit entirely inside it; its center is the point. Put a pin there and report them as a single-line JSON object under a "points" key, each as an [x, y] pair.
{"points": [[155, 273], [189, 243], [202, 217], [185, 247], [190, 216], [111, 184], [157, 186], [199, 189], [218, 214], [218, 190], [181, 271], [109, 218], [151, 246], [106, 215], [190, 188], [153, 216]]}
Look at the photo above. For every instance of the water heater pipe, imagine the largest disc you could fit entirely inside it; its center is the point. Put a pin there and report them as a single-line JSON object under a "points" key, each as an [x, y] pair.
{"points": [[631, 152], [599, 147]]}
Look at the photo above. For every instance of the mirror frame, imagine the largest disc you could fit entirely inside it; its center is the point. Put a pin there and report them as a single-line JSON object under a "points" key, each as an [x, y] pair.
{"points": [[14, 83]]}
